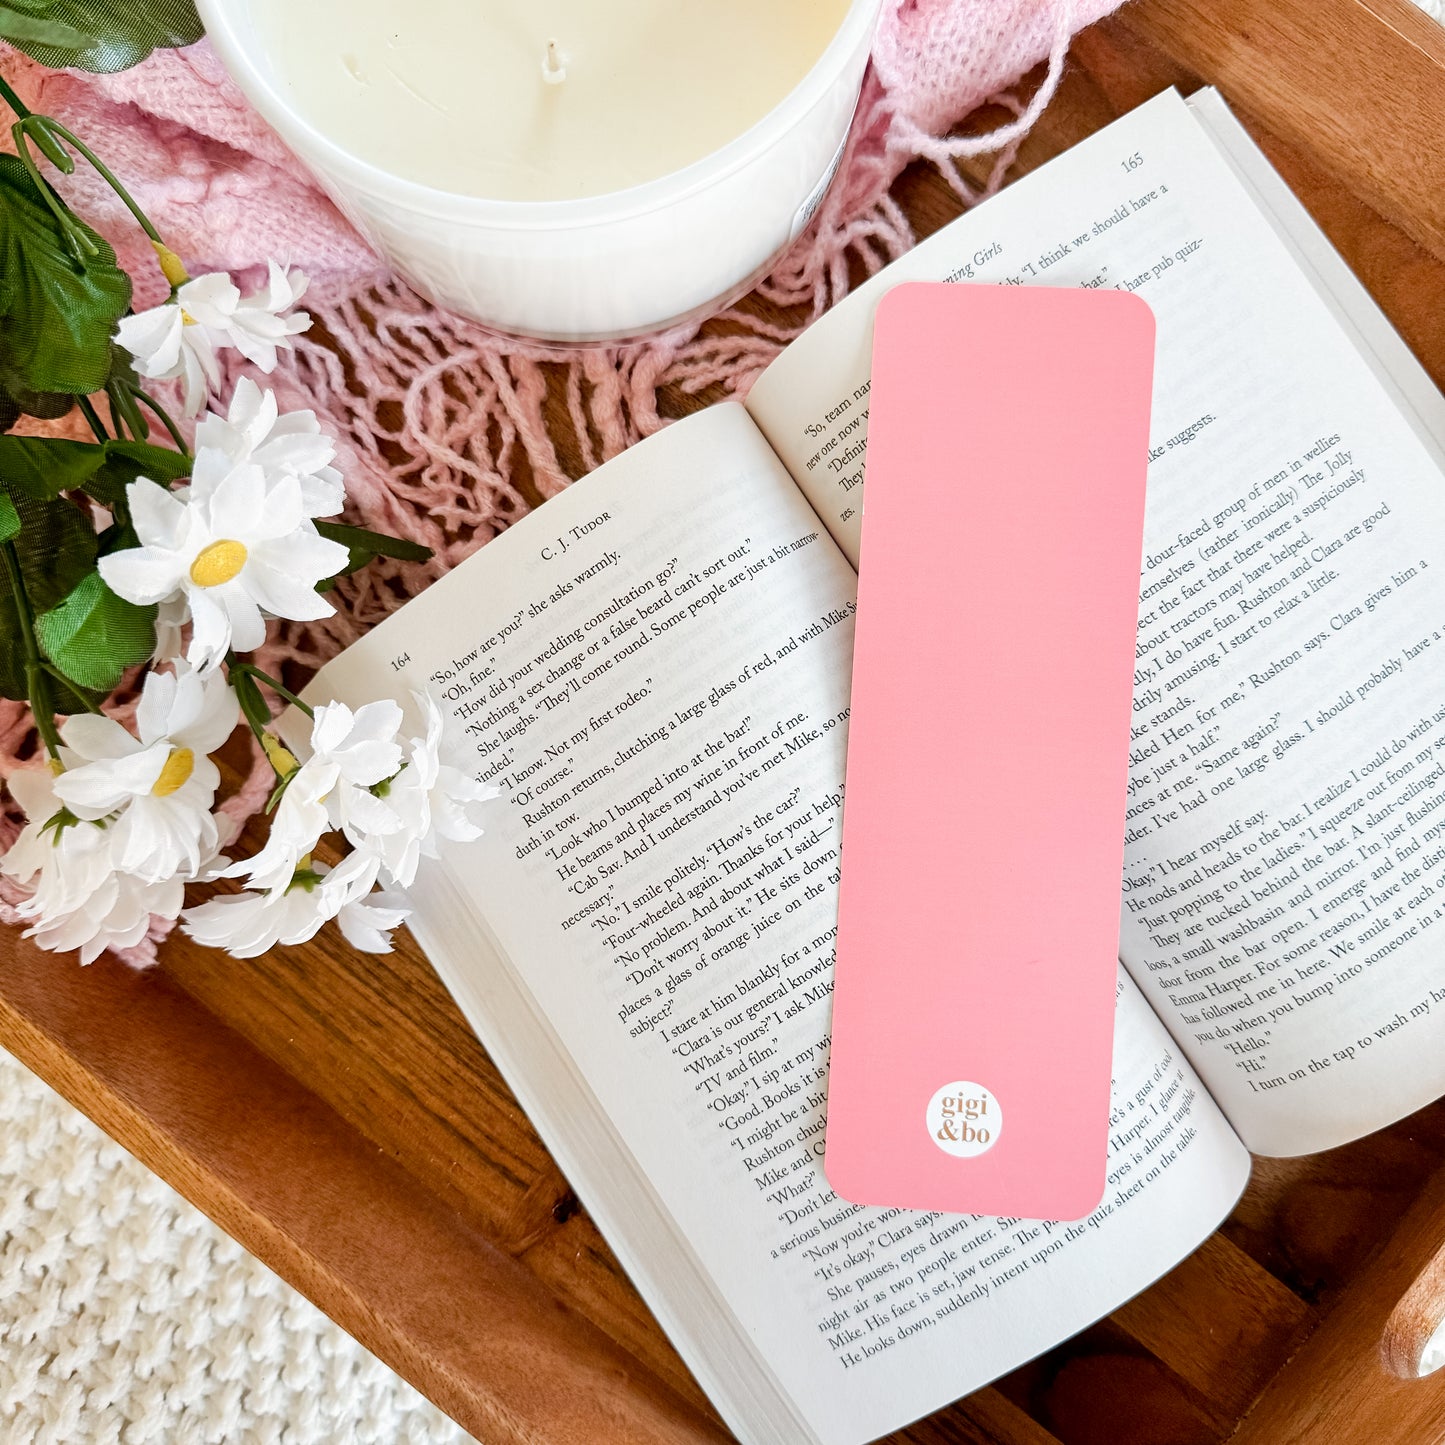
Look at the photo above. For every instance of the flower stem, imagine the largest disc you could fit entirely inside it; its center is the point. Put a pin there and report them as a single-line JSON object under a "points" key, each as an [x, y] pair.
{"points": [[124, 409], [36, 684], [70, 687], [80, 244], [107, 175], [253, 705], [165, 420], [88, 411], [279, 688], [13, 101]]}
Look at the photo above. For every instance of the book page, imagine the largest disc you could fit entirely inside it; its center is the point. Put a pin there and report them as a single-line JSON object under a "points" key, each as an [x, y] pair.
{"points": [[1285, 857], [654, 667]]}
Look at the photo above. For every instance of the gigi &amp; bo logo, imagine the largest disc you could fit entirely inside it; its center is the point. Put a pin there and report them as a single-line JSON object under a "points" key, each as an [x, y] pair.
{"points": [[964, 1119]]}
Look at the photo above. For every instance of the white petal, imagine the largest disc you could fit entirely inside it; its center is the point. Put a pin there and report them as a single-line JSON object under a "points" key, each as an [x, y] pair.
{"points": [[94, 737], [252, 407], [296, 828], [366, 817], [159, 516], [247, 626], [367, 924], [170, 618], [211, 299], [210, 468], [303, 552], [245, 924], [380, 720], [352, 878], [236, 506], [202, 374], [96, 789], [154, 714], [153, 338], [284, 594], [323, 494], [214, 719], [34, 790], [142, 575], [284, 288], [261, 354], [210, 631], [330, 725]]}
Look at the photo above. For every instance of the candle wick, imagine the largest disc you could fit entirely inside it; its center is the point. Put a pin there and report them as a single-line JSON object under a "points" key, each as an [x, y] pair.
{"points": [[554, 64]]}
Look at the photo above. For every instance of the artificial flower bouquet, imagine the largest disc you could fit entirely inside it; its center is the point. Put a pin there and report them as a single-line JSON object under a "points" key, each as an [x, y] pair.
{"points": [[137, 577]]}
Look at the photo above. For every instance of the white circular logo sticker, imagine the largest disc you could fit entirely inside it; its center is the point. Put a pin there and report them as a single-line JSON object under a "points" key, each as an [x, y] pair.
{"points": [[964, 1119]]}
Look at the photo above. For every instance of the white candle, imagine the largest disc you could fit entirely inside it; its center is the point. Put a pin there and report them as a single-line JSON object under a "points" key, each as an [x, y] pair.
{"points": [[454, 93], [572, 169]]}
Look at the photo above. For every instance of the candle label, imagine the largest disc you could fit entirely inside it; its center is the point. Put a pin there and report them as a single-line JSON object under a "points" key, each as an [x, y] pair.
{"points": [[815, 197]]}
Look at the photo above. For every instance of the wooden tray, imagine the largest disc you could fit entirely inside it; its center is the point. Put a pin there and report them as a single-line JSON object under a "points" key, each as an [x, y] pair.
{"points": [[336, 1116]]}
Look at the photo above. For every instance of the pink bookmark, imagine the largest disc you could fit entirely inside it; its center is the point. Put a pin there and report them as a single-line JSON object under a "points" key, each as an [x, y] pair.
{"points": [[983, 826]]}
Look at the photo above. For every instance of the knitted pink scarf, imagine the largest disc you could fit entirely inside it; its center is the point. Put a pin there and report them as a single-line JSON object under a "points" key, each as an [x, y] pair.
{"points": [[437, 418]]}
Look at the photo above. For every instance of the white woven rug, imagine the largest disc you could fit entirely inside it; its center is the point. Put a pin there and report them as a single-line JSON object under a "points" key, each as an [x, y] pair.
{"points": [[128, 1318]]}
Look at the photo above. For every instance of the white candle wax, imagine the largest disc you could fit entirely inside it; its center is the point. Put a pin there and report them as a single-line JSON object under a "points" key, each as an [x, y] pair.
{"points": [[575, 170], [456, 94]]}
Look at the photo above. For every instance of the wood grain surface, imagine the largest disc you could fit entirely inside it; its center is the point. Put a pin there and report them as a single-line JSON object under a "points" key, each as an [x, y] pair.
{"points": [[334, 1113]]}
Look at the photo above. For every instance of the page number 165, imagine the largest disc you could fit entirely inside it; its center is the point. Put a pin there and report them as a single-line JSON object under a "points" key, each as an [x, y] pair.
{"points": [[1133, 162]]}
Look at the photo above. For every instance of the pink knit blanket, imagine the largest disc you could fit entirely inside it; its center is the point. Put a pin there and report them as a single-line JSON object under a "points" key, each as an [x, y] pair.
{"points": [[443, 433]]}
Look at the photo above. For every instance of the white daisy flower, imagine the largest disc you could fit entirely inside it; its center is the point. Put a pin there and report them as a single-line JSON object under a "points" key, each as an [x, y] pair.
{"points": [[426, 800], [79, 899], [290, 443], [166, 343], [162, 783], [58, 859], [351, 753], [237, 552], [116, 914], [259, 325], [248, 924], [179, 338]]}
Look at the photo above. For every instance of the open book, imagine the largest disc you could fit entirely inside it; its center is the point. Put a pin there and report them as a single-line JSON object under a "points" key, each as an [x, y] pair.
{"points": [[654, 668]]}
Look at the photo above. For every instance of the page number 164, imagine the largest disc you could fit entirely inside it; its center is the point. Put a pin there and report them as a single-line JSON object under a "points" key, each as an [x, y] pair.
{"points": [[1133, 162]]}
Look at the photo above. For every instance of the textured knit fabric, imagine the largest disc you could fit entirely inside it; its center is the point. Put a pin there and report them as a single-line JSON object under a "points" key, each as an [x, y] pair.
{"points": [[128, 1318], [436, 418]]}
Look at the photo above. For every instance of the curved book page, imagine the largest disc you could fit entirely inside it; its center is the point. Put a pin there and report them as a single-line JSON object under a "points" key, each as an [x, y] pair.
{"points": [[1285, 878], [654, 667]]}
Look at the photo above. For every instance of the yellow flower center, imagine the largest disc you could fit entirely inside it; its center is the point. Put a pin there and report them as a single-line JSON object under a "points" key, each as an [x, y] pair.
{"points": [[178, 769], [218, 563]]}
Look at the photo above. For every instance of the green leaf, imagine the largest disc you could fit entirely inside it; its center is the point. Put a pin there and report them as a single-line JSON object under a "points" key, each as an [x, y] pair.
{"points": [[126, 462], [57, 313], [94, 635], [9, 518], [17, 401], [12, 647], [366, 546], [44, 467], [66, 697], [56, 545], [113, 34], [24, 31]]}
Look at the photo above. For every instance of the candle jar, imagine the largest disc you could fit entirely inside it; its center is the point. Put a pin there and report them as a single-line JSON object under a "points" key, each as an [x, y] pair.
{"points": [[592, 269]]}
